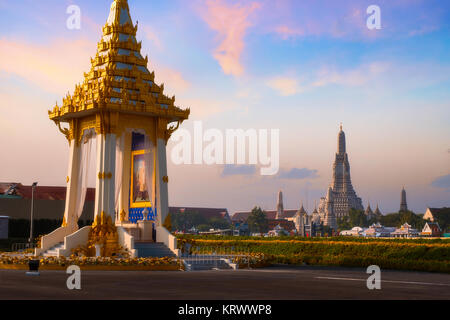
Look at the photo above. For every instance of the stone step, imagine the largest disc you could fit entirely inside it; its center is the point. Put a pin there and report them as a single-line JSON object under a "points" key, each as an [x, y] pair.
{"points": [[152, 249], [53, 251]]}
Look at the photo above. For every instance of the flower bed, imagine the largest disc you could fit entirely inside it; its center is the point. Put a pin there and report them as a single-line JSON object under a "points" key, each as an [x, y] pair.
{"points": [[88, 263]]}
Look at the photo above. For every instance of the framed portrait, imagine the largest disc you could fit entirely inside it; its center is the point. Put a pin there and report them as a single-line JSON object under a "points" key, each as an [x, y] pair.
{"points": [[140, 197]]}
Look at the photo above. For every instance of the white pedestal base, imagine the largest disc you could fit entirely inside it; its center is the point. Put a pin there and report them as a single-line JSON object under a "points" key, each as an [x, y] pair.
{"points": [[146, 230]]}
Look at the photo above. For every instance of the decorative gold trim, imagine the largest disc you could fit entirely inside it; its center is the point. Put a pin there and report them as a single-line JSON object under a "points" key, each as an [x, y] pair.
{"points": [[165, 179], [123, 216], [104, 175], [64, 222], [66, 132], [108, 88], [104, 233]]}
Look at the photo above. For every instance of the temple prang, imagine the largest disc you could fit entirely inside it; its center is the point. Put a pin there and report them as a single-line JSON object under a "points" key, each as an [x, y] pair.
{"points": [[341, 196]]}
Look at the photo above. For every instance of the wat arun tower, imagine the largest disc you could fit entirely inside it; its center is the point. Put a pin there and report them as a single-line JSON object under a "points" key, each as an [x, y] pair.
{"points": [[343, 195]]}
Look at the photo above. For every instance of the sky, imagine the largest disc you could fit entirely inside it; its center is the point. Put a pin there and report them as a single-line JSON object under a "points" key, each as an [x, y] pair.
{"points": [[302, 67]]}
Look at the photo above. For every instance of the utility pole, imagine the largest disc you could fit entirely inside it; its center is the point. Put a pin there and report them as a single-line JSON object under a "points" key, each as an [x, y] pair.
{"points": [[33, 187]]}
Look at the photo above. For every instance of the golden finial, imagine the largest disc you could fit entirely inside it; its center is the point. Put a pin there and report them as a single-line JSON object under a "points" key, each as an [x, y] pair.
{"points": [[341, 126]]}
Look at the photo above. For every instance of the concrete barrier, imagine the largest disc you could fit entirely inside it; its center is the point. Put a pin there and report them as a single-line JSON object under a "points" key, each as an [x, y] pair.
{"points": [[126, 240], [76, 239], [52, 239], [164, 236]]}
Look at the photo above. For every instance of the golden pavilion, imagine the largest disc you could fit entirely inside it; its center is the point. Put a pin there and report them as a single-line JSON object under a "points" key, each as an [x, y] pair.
{"points": [[122, 111]]}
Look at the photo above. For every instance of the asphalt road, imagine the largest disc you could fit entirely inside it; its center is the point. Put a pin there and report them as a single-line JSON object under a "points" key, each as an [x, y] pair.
{"points": [[276, 283]]}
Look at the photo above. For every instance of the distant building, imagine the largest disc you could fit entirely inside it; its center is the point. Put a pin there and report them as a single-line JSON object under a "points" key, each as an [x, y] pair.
{"points": [[343, 193], [4, 222], [240, 229], [278, 231], [242, 216], [224, 232], [369, 213], [431, 229], [403, 203], [280, 207], [315, 217], [287, 225], [207, 213], [303, 222], [354, 232], [378, 212], [372, 214], [376, 230], [330, 216], [405, 231], [49, 202], [432, 214], [293, 221]]}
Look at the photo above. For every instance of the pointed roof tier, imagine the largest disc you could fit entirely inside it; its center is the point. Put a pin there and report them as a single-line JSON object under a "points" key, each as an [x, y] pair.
{"points": [[315, 208], [119, 80], [368, 210], [302, 209], [377, 211]]}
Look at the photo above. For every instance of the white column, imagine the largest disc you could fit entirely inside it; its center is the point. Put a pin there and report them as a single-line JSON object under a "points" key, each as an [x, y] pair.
{"points": [[162, 194], [106, 166], [126, 175], [154, 175], [70, 216]]}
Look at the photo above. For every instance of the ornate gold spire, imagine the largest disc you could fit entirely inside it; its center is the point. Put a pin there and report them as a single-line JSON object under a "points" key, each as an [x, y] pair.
{"points": [[341, 141], [119, 80]]}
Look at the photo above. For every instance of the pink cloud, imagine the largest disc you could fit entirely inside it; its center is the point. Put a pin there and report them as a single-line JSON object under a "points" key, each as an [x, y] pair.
{"points": [[54, 67], [231, 22], [151, 35], [303, 19], [286, 86], [174, 81]]}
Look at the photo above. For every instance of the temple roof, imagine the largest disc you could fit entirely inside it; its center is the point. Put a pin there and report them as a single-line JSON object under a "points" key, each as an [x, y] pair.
{"points": [[119, 79], [368, 210], [377, 211], [20, 191], [242, 216], [302, 210]]}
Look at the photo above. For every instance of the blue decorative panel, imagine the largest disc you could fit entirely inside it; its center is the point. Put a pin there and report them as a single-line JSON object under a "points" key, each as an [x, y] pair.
{"points": [[137, 214]]}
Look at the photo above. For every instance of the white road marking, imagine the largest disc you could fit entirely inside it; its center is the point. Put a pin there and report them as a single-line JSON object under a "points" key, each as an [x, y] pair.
{"points": [[391, 281]]}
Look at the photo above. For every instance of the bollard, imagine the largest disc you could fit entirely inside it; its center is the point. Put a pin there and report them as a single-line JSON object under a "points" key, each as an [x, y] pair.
{"points": [[33, 266]]}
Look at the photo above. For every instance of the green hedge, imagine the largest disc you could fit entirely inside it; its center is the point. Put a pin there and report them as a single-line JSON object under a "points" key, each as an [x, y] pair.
{"points": [[317, 239], [391, 254]]}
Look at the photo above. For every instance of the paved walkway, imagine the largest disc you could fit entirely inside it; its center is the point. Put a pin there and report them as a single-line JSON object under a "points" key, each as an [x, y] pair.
{"points": [[280, 283]]}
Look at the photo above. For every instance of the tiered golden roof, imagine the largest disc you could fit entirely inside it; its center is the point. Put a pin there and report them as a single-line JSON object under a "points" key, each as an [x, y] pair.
{"points": [[119, 80]]}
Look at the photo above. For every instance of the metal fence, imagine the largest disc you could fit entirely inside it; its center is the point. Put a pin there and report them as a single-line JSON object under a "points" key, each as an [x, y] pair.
{"points": [[207, 258], [19, 247]]}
